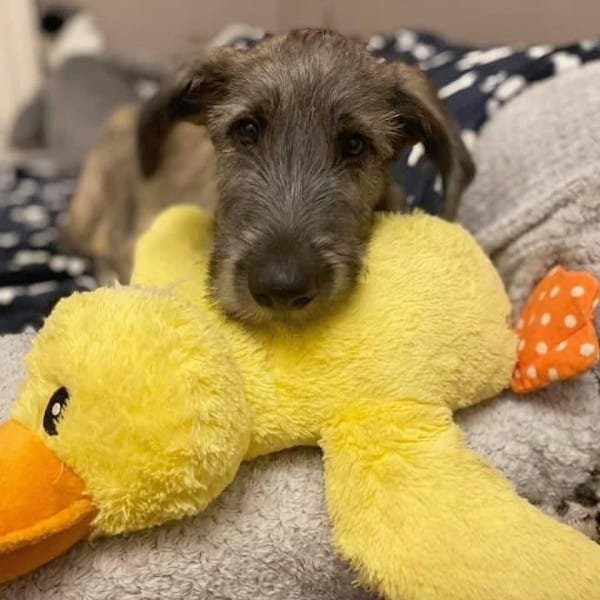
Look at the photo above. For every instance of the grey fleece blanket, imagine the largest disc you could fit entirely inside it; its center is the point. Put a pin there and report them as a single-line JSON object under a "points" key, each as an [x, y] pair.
{"points": [[534, 202]]}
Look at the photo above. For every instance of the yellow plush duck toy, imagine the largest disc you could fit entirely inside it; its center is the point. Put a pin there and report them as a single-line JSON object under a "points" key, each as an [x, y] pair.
{"points": [[142, 401]]}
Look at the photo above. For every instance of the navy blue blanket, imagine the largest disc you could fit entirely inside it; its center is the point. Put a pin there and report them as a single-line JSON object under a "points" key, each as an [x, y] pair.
{"points": [[33, 272], [473, 82]]}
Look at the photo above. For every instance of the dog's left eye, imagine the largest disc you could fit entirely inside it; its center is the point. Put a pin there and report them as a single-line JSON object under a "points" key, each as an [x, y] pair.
{"points": [[246, 131], [353, 145]]}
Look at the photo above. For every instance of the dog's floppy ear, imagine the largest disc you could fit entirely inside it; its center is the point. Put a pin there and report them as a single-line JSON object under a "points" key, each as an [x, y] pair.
{"points": [[186, 96], [421, 117]]}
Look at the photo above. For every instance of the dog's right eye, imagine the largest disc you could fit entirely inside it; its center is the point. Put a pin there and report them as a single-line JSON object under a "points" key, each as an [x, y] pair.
{"points": [[246, 131], [353, 145]]}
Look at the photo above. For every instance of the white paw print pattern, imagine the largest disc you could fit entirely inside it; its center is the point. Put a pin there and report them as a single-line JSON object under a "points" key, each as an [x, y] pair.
{"points": [[33, 275], [9, 239], [33, 216]]}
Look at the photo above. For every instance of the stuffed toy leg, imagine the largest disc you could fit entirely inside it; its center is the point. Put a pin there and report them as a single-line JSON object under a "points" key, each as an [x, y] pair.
{"points": [[436, 521]]}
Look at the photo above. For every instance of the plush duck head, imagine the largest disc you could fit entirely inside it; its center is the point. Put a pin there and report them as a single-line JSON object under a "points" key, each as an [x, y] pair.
{"points": [[142, 401]]}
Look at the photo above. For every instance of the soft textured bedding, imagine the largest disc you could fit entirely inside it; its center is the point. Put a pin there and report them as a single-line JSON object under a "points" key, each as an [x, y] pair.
{"points": [[535, 203], [473, 82], [34, 273]]}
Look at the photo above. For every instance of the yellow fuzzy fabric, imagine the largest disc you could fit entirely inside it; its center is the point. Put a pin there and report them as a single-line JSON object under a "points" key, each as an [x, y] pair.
{"points": [[156, 424], [167, 396]]}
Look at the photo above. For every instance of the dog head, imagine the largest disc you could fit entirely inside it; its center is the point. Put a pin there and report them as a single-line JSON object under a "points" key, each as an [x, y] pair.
{"points": [[305, 126]]}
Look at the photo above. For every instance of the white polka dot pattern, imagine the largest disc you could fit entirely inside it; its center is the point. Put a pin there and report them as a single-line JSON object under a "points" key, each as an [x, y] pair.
{"points": [[557, 337], [577, 291], [587, 349]]}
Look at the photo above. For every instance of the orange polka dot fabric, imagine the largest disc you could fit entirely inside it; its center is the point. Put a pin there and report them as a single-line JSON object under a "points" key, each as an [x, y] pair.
{"points": [[557, 337]]}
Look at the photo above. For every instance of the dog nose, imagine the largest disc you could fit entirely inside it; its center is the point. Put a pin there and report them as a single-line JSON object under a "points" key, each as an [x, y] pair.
{"points": [[281, 283]]}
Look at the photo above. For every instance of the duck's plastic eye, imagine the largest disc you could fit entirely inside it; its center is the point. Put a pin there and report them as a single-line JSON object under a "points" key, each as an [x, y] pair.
{"points": [[55, 409]]}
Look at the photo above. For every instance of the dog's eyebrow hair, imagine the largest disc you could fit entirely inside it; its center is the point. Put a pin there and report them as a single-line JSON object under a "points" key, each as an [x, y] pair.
{"points": [[243, 112], [350, 123], [239, 110], [347, 120]]}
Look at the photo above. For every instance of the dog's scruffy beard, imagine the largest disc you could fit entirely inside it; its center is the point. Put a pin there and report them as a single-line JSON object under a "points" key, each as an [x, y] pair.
{"points": [[228, 282]]}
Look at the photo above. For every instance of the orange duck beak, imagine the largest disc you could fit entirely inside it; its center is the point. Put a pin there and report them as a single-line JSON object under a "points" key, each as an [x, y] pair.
{"points": [[44, 508]]}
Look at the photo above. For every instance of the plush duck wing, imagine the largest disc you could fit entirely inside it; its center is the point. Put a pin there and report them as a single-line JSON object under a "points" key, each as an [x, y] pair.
{"points": [[423, 518]]}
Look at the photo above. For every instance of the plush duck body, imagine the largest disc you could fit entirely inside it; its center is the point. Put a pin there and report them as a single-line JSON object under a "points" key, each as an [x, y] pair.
{"points": [[418, 325], [178, 396]]}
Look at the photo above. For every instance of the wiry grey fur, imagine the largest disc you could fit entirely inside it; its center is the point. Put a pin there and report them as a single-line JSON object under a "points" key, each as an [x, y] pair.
{"points": [[291, 201]]}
